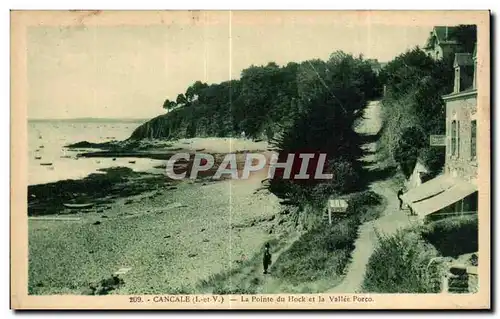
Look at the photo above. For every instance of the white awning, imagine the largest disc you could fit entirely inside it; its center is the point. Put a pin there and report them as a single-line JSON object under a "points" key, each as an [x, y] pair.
{"points": [[437, 194], [452, 195], [428, 189]]}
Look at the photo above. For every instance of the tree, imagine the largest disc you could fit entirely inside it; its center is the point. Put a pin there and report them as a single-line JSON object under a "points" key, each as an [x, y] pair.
{"points": [[168, 105], [181, 99], [331, 96], [413, 108], [408, 148], [195, 90]]}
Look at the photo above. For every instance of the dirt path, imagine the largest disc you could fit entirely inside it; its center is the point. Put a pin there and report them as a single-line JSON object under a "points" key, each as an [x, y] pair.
{"points": [[392, 218]]}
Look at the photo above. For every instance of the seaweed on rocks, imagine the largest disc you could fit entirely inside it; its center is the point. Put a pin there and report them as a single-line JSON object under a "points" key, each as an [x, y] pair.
{"points": [[47, 199]]}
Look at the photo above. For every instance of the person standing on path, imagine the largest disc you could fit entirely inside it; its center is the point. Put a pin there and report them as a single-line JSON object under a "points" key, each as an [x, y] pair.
{"points": [[267, 258]]}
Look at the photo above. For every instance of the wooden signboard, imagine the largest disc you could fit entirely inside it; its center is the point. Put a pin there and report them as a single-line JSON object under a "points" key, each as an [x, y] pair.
{"points": [[336, 206], [438, 140]]}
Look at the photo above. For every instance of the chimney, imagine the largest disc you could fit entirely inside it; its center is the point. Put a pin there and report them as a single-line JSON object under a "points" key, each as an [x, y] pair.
{"points": [[464, 71], [456, 87]]}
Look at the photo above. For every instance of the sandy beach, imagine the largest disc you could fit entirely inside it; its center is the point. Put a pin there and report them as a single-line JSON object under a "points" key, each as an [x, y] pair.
{"points": [[169, 235]]}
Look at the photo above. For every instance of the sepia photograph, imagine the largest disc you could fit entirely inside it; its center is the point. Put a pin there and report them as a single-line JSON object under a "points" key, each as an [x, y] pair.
{"points": [[250, 159]]}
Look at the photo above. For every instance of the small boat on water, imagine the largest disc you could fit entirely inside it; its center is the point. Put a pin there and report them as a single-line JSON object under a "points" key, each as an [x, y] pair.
{"points": [[46, 164], [41, 146], [86, 205], [114, 159], [131, 162], [38, 157]]}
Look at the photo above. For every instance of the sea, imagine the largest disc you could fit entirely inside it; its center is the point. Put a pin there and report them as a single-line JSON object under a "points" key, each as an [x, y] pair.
{"points": [[49, 161]]}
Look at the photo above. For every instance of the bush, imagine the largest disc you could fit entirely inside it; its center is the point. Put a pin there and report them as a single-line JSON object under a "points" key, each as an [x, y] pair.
{"points": [[453, 236], [366, 198], [408, 256], [325, 250], [345, 176], [407, 149], [433, 158], [365, 206], [322, 252]]}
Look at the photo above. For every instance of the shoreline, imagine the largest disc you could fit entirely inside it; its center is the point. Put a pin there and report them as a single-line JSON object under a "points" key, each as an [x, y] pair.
{"points": [[162, 229]]}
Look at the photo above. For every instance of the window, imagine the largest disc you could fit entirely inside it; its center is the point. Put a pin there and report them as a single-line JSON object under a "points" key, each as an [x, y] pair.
{"points": [[473, 139], [474, 83], [458, 138], [453, 137]]}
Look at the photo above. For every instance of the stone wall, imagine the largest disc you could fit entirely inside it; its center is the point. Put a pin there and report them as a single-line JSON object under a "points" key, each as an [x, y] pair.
{"points": [[473, 283], [461, 108], [461, 280]]}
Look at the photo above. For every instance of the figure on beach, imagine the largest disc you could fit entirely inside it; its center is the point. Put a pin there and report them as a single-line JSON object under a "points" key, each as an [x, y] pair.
{"points": [[267, 258], [400, 193]]}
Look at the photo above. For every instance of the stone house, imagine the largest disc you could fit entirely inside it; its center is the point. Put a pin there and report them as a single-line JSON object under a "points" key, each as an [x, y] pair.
{"points": [[441, 42], [461, 124], [455, 191]]}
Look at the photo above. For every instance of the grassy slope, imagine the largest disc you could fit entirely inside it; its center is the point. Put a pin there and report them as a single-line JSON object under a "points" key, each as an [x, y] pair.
{"points": [[312, 261], [409, 252]]}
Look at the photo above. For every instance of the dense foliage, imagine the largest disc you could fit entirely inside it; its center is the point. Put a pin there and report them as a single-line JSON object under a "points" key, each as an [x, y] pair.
{"points": [[325, 250], [331, 98], [413, 108], [320, 253], [453, 236], [257, 104], [307, 107], [263, 100], [408, 256]]}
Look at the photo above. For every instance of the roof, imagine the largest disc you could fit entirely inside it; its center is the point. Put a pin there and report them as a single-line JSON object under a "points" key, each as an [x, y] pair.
{"points": [[463, 59], [460, 95], [441, 34], [376, 65], [437, 193], [445, 33]]}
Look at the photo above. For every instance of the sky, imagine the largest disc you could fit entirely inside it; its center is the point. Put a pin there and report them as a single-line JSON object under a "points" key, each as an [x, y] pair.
{"points": [[127, 71]]}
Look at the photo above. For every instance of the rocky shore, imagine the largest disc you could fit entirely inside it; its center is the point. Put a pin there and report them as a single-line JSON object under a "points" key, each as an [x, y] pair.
{"points": [[171, 234]]}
